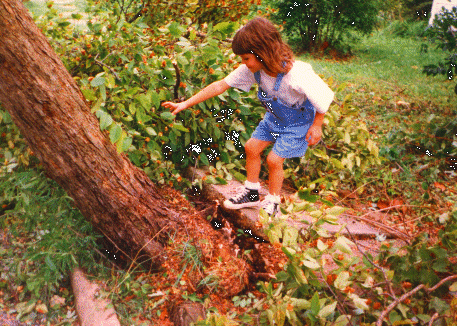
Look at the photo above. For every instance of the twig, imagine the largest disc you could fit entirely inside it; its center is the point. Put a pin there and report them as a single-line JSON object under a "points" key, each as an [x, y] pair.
{"points": [[102, 64], [444, 280], [340, 305], [389, 285], [178, 81], [433, 319], [396, 302], [386, 228], [410, 293]]}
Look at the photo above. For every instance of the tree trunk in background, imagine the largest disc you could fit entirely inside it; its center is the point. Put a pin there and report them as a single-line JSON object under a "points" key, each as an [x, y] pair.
{"points": [[50, 111]]}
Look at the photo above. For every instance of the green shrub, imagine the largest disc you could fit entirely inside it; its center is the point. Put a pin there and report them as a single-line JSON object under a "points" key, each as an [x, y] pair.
{"points": [[407, 28], [444, 34], [316, 24]]}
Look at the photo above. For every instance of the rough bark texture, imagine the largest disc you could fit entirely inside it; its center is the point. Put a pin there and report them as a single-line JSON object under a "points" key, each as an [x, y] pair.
{"points": [[49, 109], [115, 196]]}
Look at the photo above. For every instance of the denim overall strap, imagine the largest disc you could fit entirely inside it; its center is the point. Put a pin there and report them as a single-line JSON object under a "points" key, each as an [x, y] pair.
{"points": [[278, 81], [257, 77]]}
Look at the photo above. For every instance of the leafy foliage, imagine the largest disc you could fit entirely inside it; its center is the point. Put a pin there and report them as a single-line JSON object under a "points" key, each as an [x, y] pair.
{"points": [[347, 150], [126, 70], [59, 237], [324, 274], [444, 33], [317, 24]]}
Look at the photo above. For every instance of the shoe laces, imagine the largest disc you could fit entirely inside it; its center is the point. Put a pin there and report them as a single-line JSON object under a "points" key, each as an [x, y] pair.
{"points": [[242, 192]]}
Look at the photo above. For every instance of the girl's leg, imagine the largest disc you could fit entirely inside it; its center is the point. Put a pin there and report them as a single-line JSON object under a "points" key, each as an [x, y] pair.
{"points": [[254, 148], [275, 172]]}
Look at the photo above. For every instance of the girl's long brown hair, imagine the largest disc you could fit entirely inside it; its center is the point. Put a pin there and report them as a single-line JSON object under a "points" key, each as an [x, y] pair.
{"points": [[261, 38]]}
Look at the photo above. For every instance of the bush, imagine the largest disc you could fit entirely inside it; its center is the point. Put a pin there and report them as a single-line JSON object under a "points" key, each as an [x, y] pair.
{"points": [[318, 24], [444, 34], [407, 28], [125, 70]]}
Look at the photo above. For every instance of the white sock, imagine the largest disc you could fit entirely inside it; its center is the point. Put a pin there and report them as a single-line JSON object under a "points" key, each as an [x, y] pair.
{"points": [[273, 198], [252, 185]]}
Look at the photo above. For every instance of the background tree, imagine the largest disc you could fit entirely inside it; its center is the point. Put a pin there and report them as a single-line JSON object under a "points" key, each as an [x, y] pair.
{"points": [[313, 25]]}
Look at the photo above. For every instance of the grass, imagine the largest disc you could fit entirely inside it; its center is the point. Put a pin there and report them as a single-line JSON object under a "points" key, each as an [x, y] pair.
{"points": [[63, 7], [387, 64], [39, 7]]}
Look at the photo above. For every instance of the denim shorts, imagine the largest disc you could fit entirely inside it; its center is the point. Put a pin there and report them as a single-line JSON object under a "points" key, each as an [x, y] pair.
{"points": [[289, 139]]}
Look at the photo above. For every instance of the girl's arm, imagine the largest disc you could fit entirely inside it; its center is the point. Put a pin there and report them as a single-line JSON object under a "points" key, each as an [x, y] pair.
{"points": [[208, 92], [315, 131]]}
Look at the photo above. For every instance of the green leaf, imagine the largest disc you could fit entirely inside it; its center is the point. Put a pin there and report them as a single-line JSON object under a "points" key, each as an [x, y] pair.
{"points": [[335, 211], [175, 29], [105, 119], [144, 100], [132, 108], [151, 131], [126, 143], [239, 176], [327, 310], [115, 133], [221, 181], [204, 159], [305, 194], [342, 280], [359, 302], [167, 115], [453, 287], [342, 320], [229, 145], [315, 305], [180, 127], [439, 305], [89, 94], [98, 80], [290, 236], [343, 244], [311, 263], [225, 27], [155, 99]]}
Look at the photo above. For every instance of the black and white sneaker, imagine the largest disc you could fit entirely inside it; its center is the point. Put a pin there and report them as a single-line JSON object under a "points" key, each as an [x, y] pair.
{"points": [[245, 198], [271, 205]]}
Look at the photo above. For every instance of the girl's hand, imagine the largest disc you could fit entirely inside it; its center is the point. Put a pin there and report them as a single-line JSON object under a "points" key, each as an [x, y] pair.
{"points": [[175, 107], [314, 135]]}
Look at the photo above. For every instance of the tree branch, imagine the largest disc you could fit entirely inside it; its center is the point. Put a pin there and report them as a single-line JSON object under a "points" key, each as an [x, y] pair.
{"points": [[102, 64], [410, 293], [388, 283]]}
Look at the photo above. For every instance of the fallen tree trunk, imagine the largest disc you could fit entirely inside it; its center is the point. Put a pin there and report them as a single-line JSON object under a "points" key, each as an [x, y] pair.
{"points": [[117, 198]]}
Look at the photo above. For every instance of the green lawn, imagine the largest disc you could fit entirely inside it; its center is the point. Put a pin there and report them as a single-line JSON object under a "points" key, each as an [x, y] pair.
{"points": [[63, 7], [387, 64]]}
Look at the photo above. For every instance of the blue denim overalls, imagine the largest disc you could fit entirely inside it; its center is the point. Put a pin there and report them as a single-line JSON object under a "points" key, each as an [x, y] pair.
{"points": [[284, 125]]}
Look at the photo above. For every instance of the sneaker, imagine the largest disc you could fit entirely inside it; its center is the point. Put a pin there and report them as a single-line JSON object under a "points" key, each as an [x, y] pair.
{"points": [[245, 198], [270, 205]]}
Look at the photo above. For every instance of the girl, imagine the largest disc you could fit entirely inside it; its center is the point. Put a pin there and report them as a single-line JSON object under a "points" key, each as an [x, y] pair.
{"points": [[294, 97]]}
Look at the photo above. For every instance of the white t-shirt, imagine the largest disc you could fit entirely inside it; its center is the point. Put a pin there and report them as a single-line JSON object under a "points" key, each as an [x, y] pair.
{"points": [[299, 84]]}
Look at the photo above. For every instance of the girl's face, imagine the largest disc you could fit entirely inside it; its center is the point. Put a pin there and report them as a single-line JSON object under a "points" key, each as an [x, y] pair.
{"points": [[251, 62]]}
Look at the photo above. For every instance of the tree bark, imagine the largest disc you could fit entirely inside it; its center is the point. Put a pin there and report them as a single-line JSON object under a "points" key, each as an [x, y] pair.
{"points": [[117, 198], [50, 111]]}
